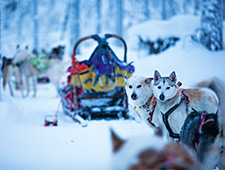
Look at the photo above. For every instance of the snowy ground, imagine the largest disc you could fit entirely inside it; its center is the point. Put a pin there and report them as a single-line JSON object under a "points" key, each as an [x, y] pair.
{"points": [[26, 144]]}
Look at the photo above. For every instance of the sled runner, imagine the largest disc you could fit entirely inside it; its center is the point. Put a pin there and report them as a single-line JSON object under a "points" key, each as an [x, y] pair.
{"points": [[95, 87]]}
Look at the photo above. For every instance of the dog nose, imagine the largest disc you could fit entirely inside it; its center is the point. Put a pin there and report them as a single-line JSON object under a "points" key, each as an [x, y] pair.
{"points": [[161, 97], [134, 96]]}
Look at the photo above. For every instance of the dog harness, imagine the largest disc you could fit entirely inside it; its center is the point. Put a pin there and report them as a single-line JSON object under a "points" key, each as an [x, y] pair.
{"points": [[152, 111], [165, 116], [146, 106], [203, 122]]}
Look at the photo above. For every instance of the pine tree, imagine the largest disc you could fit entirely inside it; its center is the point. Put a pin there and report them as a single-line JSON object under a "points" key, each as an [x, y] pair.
{"points": [[211, 23]]}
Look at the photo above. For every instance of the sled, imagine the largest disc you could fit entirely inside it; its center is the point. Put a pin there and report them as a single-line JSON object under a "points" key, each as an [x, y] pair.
{"points": [[95, 87]]}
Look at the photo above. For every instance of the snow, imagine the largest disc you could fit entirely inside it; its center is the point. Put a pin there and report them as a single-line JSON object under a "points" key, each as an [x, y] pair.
{"points": [[26, 144], [179, 26]]}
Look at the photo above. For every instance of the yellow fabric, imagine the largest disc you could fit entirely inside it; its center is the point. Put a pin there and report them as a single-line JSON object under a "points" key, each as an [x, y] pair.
{"points": [[87, 78]]}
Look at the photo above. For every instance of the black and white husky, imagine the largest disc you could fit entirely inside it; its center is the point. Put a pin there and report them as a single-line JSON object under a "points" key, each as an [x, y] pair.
{"points": [[175, 103], [204, 133]]}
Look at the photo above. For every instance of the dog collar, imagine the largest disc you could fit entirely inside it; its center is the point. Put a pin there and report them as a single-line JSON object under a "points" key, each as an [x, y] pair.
{"points": [[146, 105]]}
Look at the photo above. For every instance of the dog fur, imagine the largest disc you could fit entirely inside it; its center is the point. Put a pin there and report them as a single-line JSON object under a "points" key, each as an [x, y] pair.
{"points": [[140, 94], [9, 70], [149, 152], [168, 94], [20, 67], [204, 137], [55, 72], [23, 58]]}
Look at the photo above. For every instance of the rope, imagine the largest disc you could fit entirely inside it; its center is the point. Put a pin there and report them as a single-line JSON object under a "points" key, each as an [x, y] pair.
{"points": [[55, 121]]}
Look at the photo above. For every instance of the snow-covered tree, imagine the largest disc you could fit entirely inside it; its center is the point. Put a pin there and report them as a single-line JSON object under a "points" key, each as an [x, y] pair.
{"points": [[164, 10], [0, 36], [65, 20], [196, 7], [146, 9], [211, 23], [99, 16], [74, 22], [223, 10], [119, 18], [36, 26]]}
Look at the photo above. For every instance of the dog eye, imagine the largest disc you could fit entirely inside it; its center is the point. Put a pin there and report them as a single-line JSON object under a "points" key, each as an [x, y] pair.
{"points": [[130, 86], [167, 88], [159, 87], [139, 86]]}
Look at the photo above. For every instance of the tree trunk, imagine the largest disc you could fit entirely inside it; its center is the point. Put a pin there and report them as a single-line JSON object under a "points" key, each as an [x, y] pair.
{"points": [[74, 23], [119, 19], [164, 10], [0, 48], [211, 23], [65, 21], [146, 10], [223, 5], [196, 7], [99, 16], [35, 21]]}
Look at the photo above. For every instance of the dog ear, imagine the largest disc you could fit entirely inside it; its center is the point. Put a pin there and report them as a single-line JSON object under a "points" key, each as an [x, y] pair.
{"points": [[148, 80], [116, 141], [157, 76], [126, 77], [173, 76]]}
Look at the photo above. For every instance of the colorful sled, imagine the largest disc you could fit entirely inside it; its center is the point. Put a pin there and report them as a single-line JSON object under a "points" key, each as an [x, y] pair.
{"points": [[95, 88]]}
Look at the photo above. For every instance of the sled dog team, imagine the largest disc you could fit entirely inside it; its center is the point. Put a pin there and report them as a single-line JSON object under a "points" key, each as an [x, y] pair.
{"points": [[194, 117], [21, 67]]}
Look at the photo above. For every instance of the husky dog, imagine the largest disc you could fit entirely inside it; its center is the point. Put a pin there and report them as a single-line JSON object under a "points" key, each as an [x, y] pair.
{"points": [[55, 72], [139, 92], [175, 103], [21, 67], [149, 152], [23, 59], [204, 132], [9, 70], [57, 52]]}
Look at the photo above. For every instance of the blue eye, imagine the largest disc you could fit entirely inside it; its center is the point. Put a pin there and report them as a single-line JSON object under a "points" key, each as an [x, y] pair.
{"points": [[159, 87], [130, 86], [139, 86], [167, 88]]}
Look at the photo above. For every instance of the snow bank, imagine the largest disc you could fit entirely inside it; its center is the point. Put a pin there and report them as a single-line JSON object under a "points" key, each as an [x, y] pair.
{"points": [[179, 26]]}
